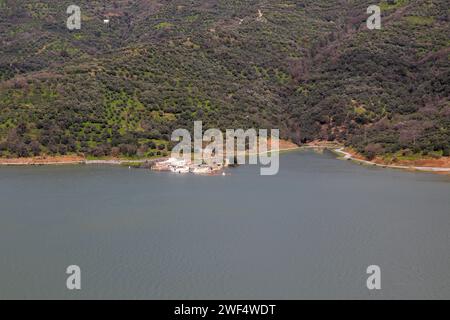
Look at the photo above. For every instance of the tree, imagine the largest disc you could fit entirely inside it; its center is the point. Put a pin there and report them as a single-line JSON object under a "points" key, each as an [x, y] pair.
{"points": [[128, 149], [115, 151], [446, 152], [372, 150], [35, 147], [142, 150], [22, 150]]}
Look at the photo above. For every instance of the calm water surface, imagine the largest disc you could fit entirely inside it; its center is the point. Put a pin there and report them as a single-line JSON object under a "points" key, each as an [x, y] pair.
{"points": [[309, 232]]}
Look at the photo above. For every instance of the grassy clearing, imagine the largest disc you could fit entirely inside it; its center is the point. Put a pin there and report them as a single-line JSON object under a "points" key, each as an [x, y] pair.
{"points": [[420, 21]]}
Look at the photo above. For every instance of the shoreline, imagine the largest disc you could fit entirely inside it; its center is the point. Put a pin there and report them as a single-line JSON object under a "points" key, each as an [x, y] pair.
{"points": [[335, 148], [70, 160], [79, 162], [348, 156], [52, 161]]}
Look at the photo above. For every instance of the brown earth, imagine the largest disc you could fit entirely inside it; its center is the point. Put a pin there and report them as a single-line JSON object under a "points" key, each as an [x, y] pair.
{"points": [[71, 159], [442, 162], [74, 159], [283, 144]]}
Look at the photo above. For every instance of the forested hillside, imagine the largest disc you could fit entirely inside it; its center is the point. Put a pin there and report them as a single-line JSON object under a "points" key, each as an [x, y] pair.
{"points": [[308, 67]]}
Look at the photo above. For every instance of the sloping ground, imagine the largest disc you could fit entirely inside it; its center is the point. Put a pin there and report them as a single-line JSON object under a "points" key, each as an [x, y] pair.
{"points": [[440, 166], [310, 68]]}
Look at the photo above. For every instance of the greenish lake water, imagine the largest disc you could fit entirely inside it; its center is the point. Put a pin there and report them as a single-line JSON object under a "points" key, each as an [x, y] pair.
{"points": [[308, 232]]}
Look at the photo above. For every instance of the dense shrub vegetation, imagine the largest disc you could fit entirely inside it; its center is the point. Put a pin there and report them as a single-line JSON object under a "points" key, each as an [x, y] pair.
{"points": [[310, 68]]}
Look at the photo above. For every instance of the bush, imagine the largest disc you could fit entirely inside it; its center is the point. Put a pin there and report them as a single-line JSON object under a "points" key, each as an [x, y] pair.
{"points": [[446, 152], [372, 150]]}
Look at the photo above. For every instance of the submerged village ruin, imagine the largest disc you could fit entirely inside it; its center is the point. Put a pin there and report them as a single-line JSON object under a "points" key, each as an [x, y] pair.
{"points": [[240, 147], [186, 166]]}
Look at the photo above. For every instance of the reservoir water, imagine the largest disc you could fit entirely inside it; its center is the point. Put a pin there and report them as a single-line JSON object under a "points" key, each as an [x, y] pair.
{"points": [[309, 232]]}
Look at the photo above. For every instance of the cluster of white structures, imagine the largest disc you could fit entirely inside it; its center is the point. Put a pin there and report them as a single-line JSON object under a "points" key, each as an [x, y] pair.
{"points": [[185, 166]]}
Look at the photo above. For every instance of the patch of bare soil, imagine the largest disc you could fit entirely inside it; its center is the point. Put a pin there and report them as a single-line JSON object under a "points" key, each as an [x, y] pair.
{"points": [[70, 159]]}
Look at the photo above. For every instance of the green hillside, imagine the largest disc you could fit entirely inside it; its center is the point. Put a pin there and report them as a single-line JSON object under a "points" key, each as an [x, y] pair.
{"points": [[310, 68]]}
